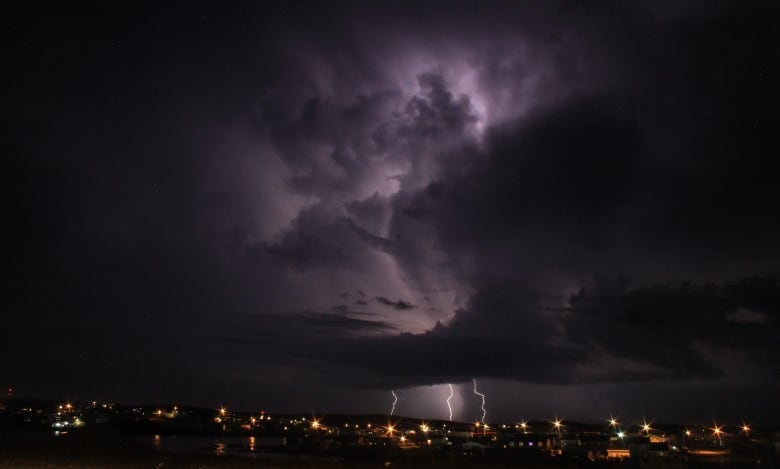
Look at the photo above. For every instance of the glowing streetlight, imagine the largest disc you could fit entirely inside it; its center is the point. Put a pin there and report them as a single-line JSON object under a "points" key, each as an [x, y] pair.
{"points": [[646, 427], [557, 424], [613, 422], [745, 428], [717, 432], [524, 426]]}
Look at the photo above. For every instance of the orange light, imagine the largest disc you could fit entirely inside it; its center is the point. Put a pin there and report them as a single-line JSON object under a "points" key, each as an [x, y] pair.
{"points": [[646, 427]]}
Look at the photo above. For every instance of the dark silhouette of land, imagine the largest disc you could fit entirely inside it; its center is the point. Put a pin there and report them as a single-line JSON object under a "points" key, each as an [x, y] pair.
{"points": [[38, 433]]}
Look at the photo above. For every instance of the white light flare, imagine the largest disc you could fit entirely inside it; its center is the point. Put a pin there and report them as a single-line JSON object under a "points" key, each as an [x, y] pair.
{"points": [[484, 412], [449, 404], [395, 401]]}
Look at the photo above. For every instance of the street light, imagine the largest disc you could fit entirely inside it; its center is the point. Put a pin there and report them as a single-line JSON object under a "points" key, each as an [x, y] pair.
{"points": [[646, 427], [718, 432], [557, 424]]}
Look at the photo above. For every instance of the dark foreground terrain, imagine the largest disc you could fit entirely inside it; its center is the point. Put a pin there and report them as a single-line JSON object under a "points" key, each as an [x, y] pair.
{"points": [[104, 446]]}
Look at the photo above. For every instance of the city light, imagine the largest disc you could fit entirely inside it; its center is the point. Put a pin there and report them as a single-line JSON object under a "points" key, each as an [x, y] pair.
{"points": [[646, 427], [704, 439], [557, 424]]}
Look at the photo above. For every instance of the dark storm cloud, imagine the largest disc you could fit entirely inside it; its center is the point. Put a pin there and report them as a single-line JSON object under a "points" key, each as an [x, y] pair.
{"points": [[503, 332], [591, 182], [319, 238], [206, 183], [667, 325], [343, 324], [400, 304], [611, 333], [543, 195], [393, 149]]}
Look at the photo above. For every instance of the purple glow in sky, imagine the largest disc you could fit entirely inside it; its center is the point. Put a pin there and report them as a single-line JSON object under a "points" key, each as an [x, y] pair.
{"points": [[309, 206]]}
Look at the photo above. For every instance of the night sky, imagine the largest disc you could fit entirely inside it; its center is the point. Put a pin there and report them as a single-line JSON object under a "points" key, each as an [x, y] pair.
{"points": [[301, 207]]}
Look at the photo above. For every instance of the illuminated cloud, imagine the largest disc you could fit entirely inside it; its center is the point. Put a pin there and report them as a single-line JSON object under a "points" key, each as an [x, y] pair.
{"points": [[378, 197]]}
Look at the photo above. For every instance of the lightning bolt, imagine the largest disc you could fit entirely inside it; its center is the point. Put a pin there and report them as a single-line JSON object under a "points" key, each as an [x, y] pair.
{"points": [[484, 412], [449, 406], [395, 401]]}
